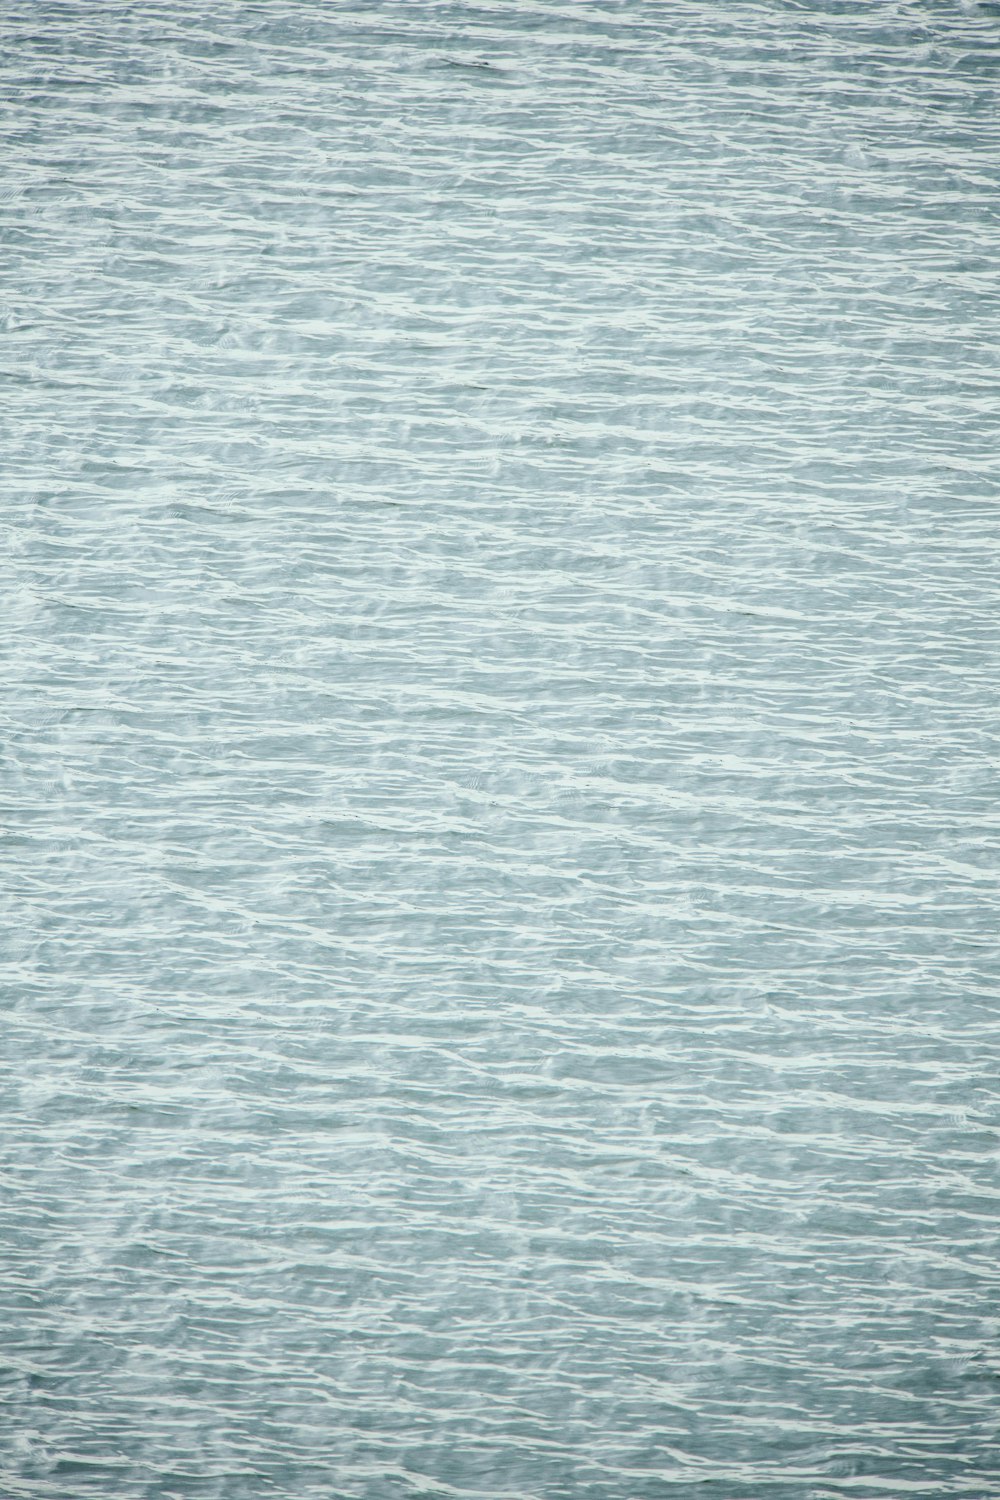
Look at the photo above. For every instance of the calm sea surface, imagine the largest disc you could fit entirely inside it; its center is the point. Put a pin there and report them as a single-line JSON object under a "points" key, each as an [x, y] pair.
{"points": [[500, 701]]}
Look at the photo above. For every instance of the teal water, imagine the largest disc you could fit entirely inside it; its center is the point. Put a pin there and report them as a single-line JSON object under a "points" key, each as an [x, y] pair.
{"points": [[499, 701]]}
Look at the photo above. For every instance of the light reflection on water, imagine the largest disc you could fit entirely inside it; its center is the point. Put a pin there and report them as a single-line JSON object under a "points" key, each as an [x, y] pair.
{"points": [[500, 705]]}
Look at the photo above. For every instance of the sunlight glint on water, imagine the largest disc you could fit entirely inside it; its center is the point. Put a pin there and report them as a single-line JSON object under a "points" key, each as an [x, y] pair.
{"points": [[500, 705]]}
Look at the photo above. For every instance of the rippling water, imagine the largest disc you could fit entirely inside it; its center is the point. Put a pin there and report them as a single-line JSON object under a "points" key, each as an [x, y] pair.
{"points": [[500, 707]]}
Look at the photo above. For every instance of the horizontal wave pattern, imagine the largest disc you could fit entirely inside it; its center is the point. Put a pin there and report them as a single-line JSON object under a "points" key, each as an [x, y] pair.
{"points": [[499, 816]]}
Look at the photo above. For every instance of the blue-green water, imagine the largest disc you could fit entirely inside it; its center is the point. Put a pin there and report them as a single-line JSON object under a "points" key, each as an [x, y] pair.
{"points": [[499, 696]]}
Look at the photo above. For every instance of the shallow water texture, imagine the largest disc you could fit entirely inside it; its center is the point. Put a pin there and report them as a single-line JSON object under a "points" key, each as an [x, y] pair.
{"points": [[500, 704]]}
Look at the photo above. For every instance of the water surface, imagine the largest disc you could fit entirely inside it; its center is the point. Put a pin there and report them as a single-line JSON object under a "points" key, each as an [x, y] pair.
{"points": [[499, 701]]}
